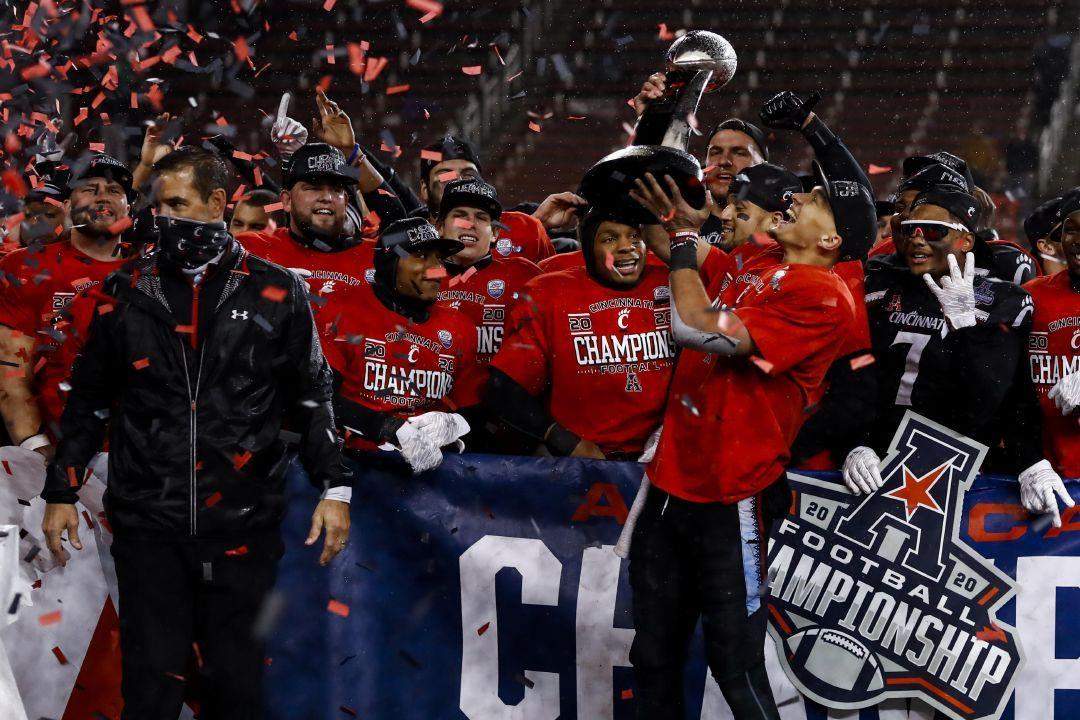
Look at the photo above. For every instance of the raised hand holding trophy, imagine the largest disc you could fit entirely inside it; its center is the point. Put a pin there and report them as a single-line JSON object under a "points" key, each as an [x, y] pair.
{"points": [[697, 63]]}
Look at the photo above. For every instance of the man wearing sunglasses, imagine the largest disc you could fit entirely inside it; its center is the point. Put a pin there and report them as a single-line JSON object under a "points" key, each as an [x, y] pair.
{"points": [[945, 339]]}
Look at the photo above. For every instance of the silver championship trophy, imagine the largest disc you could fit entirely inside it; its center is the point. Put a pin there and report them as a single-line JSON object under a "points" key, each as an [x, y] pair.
{"points": [[697, 63]]}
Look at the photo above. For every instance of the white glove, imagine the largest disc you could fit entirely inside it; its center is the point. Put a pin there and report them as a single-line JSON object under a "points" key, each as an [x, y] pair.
{"points": [[650, 446], [1066, 393], [288, 135], [1038, 485], [957, 292], [439, 428], [862, 471], [421, 454]]}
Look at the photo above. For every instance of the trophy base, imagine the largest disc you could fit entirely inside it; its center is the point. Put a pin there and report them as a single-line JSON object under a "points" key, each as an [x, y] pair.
{"points": [[608, 183]]}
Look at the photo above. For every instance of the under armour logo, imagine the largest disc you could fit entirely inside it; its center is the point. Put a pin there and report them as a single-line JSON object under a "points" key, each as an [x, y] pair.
{"points": [[239, 314]]}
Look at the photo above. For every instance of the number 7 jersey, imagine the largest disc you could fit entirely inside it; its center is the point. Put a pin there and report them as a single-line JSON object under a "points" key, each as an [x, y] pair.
{"points": [[955, 377]]}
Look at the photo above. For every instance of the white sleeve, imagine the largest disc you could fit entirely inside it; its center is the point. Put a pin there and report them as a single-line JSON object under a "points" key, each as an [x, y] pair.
{"points": [[710, 342], [342, 493]]}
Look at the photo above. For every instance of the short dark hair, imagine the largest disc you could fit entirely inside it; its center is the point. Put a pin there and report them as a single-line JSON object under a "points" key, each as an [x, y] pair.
{"points": [[260, 197], [208, 170]]}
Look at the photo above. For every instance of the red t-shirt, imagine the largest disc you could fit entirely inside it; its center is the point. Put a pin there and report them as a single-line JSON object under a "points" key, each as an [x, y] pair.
{"points": [[484, 295], [602, 357], [390, 364], [334, 275], [524, 236], [38, 290], [730, 422], [1054, 351]]}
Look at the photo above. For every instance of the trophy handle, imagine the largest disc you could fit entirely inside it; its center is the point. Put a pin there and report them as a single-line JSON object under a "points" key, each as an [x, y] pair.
{"points": [[666, 119]]}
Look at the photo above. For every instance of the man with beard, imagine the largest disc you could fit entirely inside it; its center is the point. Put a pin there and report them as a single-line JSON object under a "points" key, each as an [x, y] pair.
{"points": [[476, 284], [587, 359], [756, 344], [946, 341], [1047, 435], [195, 401], [405, 366], [40, 281]]}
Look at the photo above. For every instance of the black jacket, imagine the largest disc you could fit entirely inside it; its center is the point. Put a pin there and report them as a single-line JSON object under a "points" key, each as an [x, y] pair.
{"points": [[199, 438]]}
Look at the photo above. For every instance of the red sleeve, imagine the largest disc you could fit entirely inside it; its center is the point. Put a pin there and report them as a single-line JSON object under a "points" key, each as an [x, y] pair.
{"points": [[858, 336], [526, 347], [530, 234], [20, 301], [714, 267], [471, 376], [804, 316]]}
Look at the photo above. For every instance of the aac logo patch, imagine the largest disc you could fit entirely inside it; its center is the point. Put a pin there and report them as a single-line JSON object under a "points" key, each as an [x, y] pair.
{"points": [[876, 597]]}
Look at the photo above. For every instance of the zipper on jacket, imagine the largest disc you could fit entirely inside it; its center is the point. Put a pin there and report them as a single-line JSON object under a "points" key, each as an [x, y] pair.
{"points": [[192, 430], [196, 284]]}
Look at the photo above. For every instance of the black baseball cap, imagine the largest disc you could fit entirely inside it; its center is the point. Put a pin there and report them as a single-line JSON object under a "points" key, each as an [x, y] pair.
{"points": [[853, 213], [319, 161], [1040, 222], [1067, 205], [470, 192], [768, 186], [101, 165], [744, 127], [933, 175], [449, 148], [915, 163], [403, 237], [959, 204]]}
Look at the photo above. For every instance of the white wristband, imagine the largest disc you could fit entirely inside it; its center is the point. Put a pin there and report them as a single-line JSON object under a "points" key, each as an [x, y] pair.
{"points": [[341, 493], [35, 441]]}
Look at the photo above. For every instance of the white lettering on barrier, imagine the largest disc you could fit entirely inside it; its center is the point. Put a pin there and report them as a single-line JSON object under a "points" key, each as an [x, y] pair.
{"points": [[540, 574], [600, 646], [1037, 617]]}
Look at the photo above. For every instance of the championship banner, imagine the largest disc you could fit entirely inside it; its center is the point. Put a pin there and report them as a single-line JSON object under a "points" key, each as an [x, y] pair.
{"points": [[488, 589]]}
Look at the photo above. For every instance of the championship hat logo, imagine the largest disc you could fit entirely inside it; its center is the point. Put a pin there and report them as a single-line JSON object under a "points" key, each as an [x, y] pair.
{"points": [[496, 288], [503, 246], [875, 597]]}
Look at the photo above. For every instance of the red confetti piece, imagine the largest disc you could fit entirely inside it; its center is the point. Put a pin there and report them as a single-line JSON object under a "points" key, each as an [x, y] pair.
{"points": [[194, 35], [60, 657], [241, 49], [435, 273], [97, 147], [429, 17], [356, 57], [292, 36], [338, 608], [237, 551], [239, 460], [534, 126], [472, 69], [425, 6], [627, 694], [49, 618], [862, 361], [765, 365], [213, 500], [141, 364], [73, 479], [104, 309], [272, 207], [274, 293], [330, 59], [119, 226], [397, 89], [665, 34], [375, 66], [328, 5], [185, 329], [463, 223], [483, 628], [433, 155], [447, 175], [879, 169]]}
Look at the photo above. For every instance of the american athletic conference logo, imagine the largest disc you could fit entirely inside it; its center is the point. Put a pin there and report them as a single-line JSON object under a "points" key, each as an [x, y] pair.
{"points": [[876, 597]]}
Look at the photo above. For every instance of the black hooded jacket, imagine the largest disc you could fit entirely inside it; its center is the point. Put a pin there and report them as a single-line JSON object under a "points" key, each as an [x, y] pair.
{"points": [[199, 437]]}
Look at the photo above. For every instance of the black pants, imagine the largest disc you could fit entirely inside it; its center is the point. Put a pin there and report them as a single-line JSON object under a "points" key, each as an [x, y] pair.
{"points": [[707, 560], [178, 595]]}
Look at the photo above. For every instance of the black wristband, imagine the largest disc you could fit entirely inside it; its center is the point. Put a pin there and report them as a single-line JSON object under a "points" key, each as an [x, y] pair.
{"points": [[561, 441], [818, 134], [684, 251]]}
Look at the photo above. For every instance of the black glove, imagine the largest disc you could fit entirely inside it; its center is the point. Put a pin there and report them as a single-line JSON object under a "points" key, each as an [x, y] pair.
{"points": [[785, 111]]}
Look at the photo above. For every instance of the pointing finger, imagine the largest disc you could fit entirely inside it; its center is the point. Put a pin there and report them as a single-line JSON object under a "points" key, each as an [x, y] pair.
{"points": [[283, 107]]}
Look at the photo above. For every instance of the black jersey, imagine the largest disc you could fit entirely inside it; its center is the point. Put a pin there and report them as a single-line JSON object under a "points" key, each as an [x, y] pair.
{"points": [[955, 377]]}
